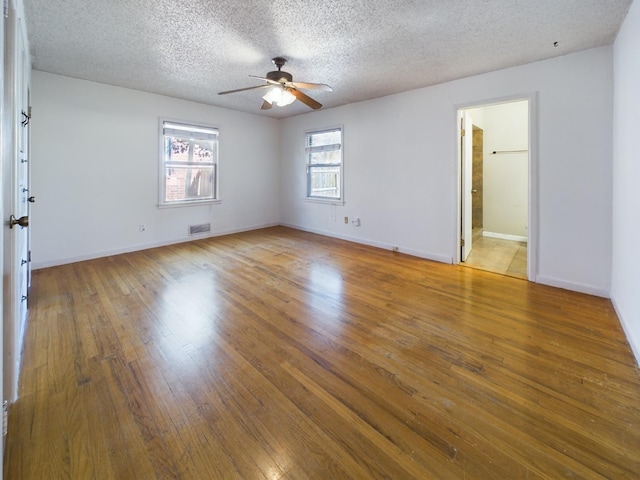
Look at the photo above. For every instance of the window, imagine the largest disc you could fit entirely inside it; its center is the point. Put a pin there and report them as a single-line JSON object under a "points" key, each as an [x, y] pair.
{"points": [[323, 151], [189, 164]]}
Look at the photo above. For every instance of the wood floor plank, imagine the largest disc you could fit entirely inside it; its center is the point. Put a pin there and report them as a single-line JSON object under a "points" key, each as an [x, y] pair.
{"points": [[280, 354]]}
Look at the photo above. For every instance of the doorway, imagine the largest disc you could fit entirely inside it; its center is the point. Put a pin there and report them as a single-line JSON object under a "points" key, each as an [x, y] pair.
{"points": [[495, 197]]}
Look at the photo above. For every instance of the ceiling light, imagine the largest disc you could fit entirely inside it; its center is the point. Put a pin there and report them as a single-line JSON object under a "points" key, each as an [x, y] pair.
{"points": [[280, 96]]}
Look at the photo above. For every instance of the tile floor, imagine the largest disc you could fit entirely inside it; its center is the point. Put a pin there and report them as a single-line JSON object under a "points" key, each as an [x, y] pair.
{"points": [[507, 257]]}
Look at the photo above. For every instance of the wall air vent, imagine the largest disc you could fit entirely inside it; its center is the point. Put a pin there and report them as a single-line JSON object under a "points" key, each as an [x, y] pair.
{"points": [[199, 229]]}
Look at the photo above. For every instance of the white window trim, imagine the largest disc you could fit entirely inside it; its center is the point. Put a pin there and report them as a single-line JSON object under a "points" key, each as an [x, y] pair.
{"points": [[326, 201], [161, 166]]}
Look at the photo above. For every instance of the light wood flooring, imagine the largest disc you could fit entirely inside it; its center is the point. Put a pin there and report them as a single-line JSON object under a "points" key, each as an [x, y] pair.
{"points": [[506, 257], [279, 354]]}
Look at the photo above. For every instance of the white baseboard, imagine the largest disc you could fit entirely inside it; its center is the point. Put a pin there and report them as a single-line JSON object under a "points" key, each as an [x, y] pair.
{"points": [[633, 342], [576, 287], [436, 257], [135, 248], [106, 253], [505, 236]]}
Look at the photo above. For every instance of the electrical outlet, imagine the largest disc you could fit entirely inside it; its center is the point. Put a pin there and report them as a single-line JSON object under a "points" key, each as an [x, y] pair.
{"points": [[356, 221], [346, 219], [395, 248], [142, 227]]}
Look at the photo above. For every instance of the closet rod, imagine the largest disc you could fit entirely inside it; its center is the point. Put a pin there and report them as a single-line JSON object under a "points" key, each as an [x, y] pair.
{"points": [[496, 152]]}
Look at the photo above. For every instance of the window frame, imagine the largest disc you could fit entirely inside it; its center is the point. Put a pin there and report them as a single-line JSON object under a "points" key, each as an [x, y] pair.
{"points": [[162, 203], [308, 167]]}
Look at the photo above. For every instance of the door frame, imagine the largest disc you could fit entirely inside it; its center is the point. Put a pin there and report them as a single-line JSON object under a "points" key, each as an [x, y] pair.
{"points": [[465, 154], [533, 194], [3, 207]]}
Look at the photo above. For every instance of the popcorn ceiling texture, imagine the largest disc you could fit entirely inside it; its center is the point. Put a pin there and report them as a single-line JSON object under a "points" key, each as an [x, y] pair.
{"points": [[192, 49]]}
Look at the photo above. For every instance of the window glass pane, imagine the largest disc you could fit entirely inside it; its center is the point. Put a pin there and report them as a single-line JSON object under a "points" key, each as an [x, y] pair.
{"points": [[325, 182], [184, 150], [330, 137], [189, 183], [202, 151], [332, 156], [176, 149]]}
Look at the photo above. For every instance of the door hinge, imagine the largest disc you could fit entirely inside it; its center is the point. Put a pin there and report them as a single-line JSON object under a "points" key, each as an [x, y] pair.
{"points": [[26, 118], [462, 242], [462, 133], [5, 8], [5, 417]]}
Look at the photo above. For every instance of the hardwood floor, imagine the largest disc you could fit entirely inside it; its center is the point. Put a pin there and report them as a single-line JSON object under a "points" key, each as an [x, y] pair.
{"points": [[279, 354]]}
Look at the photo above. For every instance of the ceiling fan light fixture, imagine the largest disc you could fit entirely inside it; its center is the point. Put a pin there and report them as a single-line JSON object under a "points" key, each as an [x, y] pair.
{"points": [[280, 96], [286, 98]]}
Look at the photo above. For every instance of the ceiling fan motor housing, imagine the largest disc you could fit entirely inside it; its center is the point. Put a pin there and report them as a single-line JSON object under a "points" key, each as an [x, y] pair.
{"points": [[279, 76]]}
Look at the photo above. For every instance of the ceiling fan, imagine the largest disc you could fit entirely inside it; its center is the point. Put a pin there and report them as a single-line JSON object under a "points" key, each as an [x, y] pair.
{"points": [[283, 89]]}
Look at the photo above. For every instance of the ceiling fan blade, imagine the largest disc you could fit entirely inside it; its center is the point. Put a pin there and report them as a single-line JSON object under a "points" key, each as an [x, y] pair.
{"points": [[242, 89], [268, 80], [304, 98], [311, 86], [266, 105]]}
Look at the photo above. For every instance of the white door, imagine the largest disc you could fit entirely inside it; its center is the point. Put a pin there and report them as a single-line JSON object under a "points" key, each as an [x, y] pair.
{"points": [[22, 263], [15, 184], [466, 177]]}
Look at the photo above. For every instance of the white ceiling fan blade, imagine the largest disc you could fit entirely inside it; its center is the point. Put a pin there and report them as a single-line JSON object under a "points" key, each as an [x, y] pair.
{"points": [[311, 86], [271, 82], [243, 89]]}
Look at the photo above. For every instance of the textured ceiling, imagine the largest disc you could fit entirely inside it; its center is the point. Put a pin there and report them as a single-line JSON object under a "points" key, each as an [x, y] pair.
{"points": [[192, 49]]}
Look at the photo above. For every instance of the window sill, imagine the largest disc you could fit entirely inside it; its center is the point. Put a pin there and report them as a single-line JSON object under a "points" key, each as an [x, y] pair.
{"points": [[189, 204], [327, 201]]}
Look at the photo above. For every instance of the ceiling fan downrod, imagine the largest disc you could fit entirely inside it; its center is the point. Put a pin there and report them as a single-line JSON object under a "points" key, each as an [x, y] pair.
{"points": [[279, 62]]}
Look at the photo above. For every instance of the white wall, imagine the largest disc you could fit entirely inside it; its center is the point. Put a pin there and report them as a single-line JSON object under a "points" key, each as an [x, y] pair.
{"points": [[625, 288], [95, 170], [505, 200], [400, 167]]}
